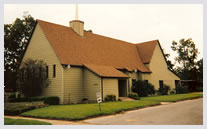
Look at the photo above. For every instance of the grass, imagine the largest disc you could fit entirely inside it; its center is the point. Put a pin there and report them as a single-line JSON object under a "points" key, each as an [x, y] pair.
{"points": [[173, 98], [8, 121], [83, 111]]}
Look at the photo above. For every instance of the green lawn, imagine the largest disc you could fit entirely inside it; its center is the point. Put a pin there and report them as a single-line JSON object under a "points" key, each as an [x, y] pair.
{"points": [[8, 121], [83, 111], [173, 98]]}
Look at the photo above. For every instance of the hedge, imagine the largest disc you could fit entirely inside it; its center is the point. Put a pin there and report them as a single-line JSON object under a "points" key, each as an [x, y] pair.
{"points": [[133, 96], [18, 109], [51, 100], [110, 98]]}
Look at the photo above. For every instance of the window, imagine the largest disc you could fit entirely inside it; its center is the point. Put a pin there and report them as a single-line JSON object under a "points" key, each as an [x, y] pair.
{"points": [[54, 70], [47, 71], [161, 84]]}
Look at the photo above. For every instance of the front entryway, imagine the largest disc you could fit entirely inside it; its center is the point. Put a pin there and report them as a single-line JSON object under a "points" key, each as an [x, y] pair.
{"points": [[122, 88]]}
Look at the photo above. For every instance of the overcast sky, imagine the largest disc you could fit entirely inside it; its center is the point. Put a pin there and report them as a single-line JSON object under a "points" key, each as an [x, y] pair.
{"points": [[133, 23]]}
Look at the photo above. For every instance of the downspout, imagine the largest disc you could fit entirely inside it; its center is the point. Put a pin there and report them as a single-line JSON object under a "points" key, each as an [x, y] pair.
{"points": [[102, 88], [63, 85]]}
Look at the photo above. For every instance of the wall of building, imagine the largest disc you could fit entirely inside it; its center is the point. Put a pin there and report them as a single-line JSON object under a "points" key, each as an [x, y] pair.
{"points": [[159, 70], [110, 87], [39, 48], [73, 85], [92, 85]]}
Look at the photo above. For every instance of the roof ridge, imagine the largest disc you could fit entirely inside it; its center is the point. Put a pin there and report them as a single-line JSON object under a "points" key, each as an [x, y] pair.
{"points": [[148, 42], [111, 38], [53, 23]]}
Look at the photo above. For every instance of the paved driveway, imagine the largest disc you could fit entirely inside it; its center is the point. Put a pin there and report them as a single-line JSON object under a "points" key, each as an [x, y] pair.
{"points": [[188, 112]]}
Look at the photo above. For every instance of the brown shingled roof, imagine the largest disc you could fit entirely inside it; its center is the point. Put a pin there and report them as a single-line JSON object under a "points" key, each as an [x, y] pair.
{"points": [[146, 50], [91, 48], [105, 71]]}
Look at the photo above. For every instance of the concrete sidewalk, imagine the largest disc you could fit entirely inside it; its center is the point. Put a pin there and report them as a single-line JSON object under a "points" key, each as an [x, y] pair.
{"points": [[53, 122]]}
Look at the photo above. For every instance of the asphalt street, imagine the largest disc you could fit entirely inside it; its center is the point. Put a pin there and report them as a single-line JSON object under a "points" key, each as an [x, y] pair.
{"points": [[188, 112]]}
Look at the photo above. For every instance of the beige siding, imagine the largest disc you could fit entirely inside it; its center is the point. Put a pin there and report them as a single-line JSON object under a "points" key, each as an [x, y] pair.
{"points": [[73, 85], [39, 48], [92, 85], [78, 27], [110, 87], [134, 75], [159, 70]]}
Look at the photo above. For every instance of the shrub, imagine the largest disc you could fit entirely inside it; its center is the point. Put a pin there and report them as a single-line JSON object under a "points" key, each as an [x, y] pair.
{"points": [[110, 98], [143, 89], [11, 96], [84, 100], [172, 92], [199, 89], [17, 109], [164, 90], [18, 100], [51, 100], [133, 96], [181, 89], [32, 77], [151, 89]]}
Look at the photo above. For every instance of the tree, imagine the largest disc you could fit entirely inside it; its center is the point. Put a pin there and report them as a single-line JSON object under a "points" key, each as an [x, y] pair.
{"points": [[32, 77], [169, 62], [187, 55], [16, 37], [200, 69]]}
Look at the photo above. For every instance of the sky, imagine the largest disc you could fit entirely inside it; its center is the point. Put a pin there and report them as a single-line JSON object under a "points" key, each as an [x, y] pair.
{"points": [[133, 23]]}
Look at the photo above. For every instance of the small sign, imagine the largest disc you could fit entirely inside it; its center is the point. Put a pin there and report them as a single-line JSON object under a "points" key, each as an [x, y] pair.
{"points": [[98, 96], [99, 100]]}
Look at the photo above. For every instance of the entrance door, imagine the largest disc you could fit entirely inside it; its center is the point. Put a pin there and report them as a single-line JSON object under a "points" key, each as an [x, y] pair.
{"points": [[122, 88]]}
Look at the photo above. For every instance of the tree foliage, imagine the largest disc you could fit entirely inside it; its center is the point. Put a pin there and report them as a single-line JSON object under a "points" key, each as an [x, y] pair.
{"points": [[32, 77], [169, 62], [200, 69], [187, 56], [16, 37]]}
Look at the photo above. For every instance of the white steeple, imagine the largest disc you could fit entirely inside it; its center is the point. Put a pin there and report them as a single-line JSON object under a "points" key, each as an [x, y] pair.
{"points": [[76, 12], [77, 25]]}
